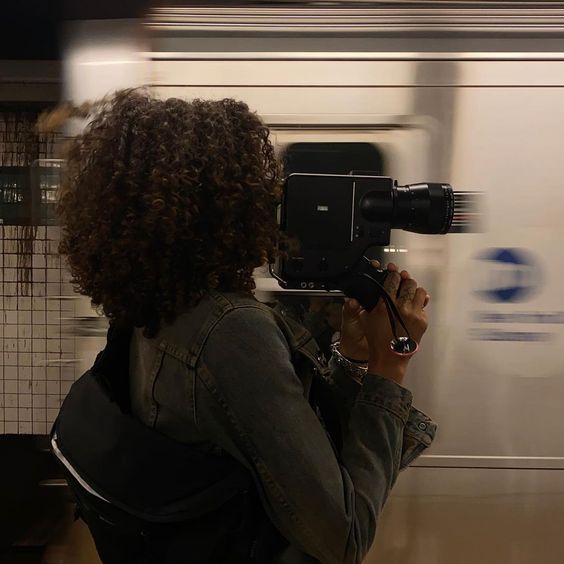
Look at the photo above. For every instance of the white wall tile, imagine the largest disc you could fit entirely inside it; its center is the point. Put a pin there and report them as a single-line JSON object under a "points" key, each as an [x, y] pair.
{"points": [[25, 427], [54, 275], [53, 373], [53, 401], [24, 317], [38, 317], [38, 331], [37, 303], [10, 386], [39, 400], [39, 248], [11, 400], [38, 359], [33, 382], [24, 359], [24, 386], [40, 428], [53, 387], [11, 317], [10, 331], [39, 345], [24, 400], [10, 358], [10, 259], [24, 331], [68, 374], [54, 345], [53, 317], [53, 232]]}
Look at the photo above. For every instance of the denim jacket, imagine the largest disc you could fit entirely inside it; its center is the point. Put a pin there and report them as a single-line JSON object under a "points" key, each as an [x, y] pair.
{"points": [[233, 375]]}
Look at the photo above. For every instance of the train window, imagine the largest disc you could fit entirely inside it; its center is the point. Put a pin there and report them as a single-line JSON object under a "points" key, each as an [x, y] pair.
{"points": [[332, 158]]}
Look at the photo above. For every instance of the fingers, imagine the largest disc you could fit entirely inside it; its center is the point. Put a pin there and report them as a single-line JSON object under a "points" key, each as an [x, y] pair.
{"points": [[351, 309], [351, 306], [421, 298], [401, 286], [392, 283], [407, 291]]}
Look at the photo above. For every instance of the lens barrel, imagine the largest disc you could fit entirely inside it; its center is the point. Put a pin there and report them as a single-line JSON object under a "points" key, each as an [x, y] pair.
{"points": [[423, 208]]}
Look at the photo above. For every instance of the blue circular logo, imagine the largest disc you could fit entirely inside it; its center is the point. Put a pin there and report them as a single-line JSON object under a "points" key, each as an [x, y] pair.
{"points": [[507, 275]]}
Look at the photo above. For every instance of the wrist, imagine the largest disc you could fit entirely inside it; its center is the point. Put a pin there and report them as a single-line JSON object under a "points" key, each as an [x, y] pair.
{"points": [[352, 353], [395, 368], [357, 371]]}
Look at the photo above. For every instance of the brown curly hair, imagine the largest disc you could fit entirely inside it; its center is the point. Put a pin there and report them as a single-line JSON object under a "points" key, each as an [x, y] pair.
{"points": [[164, 200]]}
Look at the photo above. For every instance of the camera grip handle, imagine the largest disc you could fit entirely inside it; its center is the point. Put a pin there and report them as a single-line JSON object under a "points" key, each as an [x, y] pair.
{"points": [[360, 284], [365, 285]]}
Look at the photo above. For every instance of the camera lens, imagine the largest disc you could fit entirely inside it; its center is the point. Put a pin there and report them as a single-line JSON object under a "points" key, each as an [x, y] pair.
{"points": [[423, 208]]}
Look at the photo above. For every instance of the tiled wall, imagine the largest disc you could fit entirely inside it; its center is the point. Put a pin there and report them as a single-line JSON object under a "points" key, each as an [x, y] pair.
{"points": [[37, 357]]}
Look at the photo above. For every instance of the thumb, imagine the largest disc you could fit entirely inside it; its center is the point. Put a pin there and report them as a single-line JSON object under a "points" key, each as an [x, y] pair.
{"points": [[351, 308], [363, 318]]}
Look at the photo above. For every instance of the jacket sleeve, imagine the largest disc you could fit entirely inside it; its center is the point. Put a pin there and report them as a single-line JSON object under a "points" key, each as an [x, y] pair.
{"points": [[251, 403], [419, 431]]}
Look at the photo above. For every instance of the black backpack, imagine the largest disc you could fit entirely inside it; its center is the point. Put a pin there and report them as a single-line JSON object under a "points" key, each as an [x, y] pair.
{"points": [[147, 498]]}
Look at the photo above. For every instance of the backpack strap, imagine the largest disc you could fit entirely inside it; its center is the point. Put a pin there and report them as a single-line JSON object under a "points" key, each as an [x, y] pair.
{"points": [[318, 384], [135, 467]]}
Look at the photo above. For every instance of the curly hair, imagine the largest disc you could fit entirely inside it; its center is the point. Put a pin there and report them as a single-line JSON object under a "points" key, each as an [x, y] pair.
{"points": [[164, 200]]}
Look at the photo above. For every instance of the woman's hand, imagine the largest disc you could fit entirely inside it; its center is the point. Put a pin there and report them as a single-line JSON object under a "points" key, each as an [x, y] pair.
{"points": [[366, 336], [353, 343]]}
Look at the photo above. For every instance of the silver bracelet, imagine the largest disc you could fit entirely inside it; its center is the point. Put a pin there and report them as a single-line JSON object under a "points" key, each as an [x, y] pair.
{"points": [[356, 370]]}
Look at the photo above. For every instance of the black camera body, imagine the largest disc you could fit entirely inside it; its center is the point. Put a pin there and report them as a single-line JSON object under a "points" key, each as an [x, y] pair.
{"points": [[334, 219]]}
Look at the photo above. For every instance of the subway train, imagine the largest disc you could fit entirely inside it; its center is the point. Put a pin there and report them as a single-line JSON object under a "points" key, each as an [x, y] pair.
{"points": [[468, 93]]}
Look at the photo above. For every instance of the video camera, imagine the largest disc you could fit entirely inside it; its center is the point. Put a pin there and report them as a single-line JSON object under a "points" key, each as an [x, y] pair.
{"points": [[334, 219]]}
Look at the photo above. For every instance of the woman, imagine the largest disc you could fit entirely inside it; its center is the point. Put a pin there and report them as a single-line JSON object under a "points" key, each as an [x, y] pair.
{"points": [[167, 208]]}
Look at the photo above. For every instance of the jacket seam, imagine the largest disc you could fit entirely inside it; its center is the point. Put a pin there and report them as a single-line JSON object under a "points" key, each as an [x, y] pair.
{"points": [[154, 377], [382, 405], [252, 451], [191, 355]]}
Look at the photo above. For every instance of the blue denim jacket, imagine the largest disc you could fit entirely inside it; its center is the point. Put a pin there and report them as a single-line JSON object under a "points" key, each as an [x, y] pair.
{"points": [[229, 376]]}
